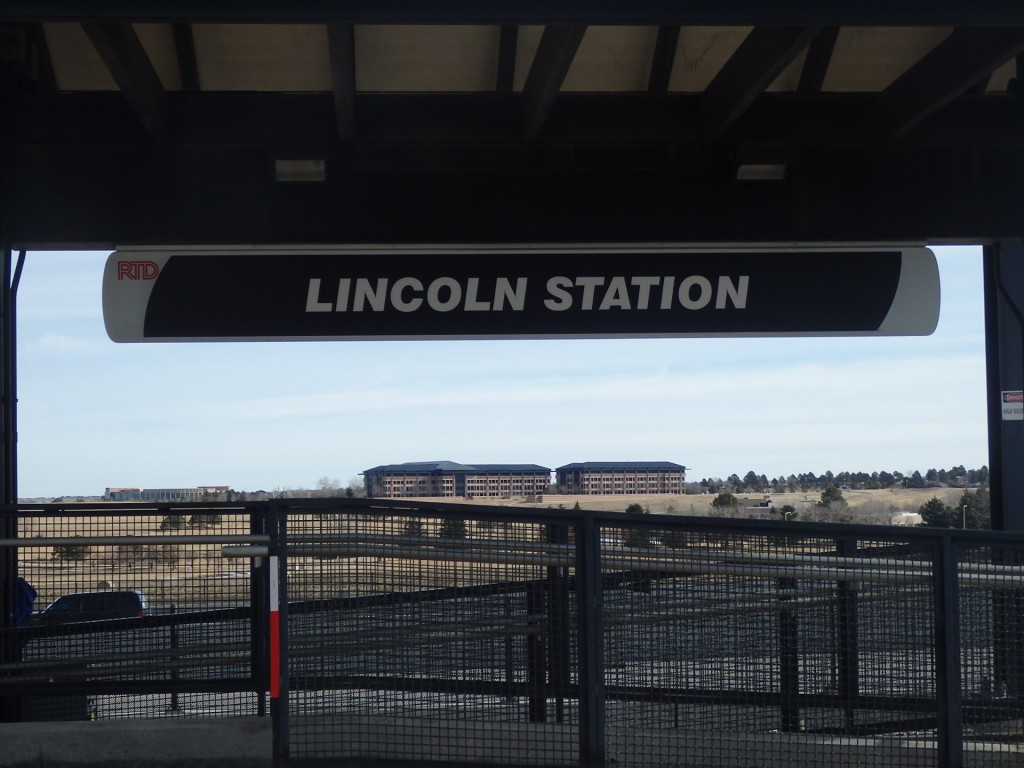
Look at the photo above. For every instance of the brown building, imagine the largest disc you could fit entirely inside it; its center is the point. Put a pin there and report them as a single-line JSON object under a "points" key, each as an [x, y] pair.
{"points": [[450, 479], [624, 478]]}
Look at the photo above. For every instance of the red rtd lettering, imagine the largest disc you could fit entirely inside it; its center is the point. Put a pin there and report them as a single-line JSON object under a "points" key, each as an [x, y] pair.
{"points": [[137, 270]]}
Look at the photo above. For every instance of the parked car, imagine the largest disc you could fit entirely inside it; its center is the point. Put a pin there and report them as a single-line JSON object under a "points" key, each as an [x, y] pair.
{"points": [[93, 606]]}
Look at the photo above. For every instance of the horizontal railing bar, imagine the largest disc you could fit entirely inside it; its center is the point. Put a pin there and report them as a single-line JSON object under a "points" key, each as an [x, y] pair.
{"points": [[744, 557], [801, 569], [122, 656], [141, 688], [169, 538], [663, 696], [244, 550]]}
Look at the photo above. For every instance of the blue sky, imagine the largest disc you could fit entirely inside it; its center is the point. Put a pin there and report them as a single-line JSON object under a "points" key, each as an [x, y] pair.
{"points": [[281, 415]]}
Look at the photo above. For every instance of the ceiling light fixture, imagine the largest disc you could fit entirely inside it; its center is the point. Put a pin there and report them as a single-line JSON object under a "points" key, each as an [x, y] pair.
{"points": [[761, 172], [299, 171]]}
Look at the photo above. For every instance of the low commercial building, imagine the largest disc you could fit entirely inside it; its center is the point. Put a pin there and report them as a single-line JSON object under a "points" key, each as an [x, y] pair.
{"points": [[624, 478], [450, 479], [202, 493]]}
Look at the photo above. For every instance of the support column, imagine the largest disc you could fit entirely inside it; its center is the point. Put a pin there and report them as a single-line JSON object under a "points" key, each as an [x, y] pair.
{"points": [[1004, 350], [10, 651], [1004, 342]]}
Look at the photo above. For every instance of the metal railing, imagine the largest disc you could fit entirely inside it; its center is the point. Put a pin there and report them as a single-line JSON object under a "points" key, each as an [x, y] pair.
{"points": [[442, 634], [200, 648], [553, 637]]}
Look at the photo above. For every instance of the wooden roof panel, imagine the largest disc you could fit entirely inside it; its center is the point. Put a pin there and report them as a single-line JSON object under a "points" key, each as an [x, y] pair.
{"points": [[262, 57], [869, 59], [612, 60], [406, 58]]}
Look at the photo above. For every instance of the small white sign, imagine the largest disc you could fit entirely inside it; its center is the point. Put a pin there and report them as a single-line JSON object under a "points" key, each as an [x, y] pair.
{"points": [[1013, 405]]}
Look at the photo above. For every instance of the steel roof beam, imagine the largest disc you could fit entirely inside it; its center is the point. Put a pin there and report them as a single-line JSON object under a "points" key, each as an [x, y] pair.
{"points": [[761, 57], [342, 43], [551, 64], [508, 44], [703, 12], [950, 70], [664, 58], [122, 52], [819, 56], [185, 45], [482, 120]]}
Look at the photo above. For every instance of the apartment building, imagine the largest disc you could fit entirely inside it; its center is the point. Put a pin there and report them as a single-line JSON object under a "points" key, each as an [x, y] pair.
{"points": [[625, 478], [450, 479]]}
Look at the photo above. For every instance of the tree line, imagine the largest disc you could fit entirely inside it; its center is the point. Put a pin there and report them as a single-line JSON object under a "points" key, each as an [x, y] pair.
{"points": [[972, 510], [752, 482]]}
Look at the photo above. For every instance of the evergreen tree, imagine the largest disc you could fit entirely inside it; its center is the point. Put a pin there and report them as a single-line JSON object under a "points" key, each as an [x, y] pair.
{"points": [[203, 520], [937, 514], [725, 501], [978, 508], [831, 495], [172, 521], [452, 529]]}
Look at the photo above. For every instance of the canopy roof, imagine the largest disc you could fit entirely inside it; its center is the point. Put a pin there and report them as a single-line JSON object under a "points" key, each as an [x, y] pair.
{"points": [[164, 122]]}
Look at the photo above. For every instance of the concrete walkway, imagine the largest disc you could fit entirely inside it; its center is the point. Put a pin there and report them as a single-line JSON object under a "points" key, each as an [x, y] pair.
{"points": [[228, 743]]}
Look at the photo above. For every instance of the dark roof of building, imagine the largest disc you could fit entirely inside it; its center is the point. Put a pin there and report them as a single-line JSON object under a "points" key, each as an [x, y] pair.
{"points": [[510, 468], [623, 465], [418, 467]]}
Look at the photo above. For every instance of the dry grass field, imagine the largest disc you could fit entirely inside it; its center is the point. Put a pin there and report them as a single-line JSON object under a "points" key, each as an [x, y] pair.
{"points": [[887, 501]]}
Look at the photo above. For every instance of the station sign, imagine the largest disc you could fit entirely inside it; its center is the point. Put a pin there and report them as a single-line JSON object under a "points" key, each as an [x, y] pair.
{"points": [[494, 292]]}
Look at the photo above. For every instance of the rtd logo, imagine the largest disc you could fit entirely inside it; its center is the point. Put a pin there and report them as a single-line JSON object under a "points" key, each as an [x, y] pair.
{"points": [[137, 270]]}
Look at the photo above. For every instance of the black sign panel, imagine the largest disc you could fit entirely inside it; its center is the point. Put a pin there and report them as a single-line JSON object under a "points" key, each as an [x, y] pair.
{"points": [[263, 294]]}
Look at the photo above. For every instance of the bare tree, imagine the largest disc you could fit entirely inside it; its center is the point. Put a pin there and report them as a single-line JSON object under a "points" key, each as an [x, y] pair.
{"points": [[328, 487], [873, 512], [356, 488]]}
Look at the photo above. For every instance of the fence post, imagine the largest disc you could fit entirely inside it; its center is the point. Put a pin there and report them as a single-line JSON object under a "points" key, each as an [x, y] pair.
{"points": [[278, 625], [590, 632], [536, 656], [948, 694], [1008, 629], [847, 639], [259, 630], [10, 647], [173, 642], [789, 657], [558, 623]]}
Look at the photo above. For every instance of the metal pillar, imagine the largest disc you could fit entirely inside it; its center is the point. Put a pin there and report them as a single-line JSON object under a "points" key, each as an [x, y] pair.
{"points": [[948, 692], [590, 623], [1004, 349], [1004, 341], [10, 708]]}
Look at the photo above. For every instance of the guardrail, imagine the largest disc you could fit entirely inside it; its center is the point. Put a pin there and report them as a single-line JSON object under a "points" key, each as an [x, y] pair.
{"points": [[433, 633]]}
